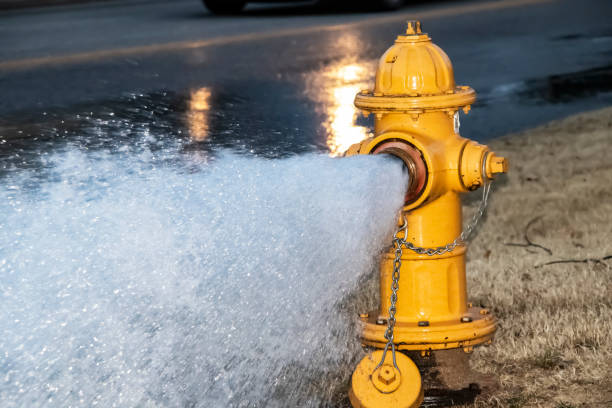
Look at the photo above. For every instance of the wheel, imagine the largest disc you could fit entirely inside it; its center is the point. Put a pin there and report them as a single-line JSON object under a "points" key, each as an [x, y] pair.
{"points": [[224, 6], [389, 4], [371, 5], [332, 5]]}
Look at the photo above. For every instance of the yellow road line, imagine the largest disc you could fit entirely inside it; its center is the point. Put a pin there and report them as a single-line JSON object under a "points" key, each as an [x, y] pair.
{"points": [[81, 57]]}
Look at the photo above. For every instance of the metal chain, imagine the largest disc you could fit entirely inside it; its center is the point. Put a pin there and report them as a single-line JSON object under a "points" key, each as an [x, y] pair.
{"points": [[397, 263]]}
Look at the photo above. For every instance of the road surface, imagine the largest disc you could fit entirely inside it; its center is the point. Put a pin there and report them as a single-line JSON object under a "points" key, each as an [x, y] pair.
{"points": [[281, 78]]}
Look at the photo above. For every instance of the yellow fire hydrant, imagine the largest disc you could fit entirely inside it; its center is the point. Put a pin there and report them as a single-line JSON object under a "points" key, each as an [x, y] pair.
{"points": [[416, 106]]}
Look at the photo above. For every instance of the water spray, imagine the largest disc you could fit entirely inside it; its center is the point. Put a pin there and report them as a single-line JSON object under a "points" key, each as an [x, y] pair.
{"points": [[214, 290], [424, 312]]}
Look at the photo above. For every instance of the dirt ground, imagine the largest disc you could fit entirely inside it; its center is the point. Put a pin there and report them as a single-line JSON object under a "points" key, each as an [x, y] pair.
{"points": [[542, 261]]}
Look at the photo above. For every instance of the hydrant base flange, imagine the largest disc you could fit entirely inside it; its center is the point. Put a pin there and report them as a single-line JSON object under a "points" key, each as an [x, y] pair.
{"points": [[478, 328]]}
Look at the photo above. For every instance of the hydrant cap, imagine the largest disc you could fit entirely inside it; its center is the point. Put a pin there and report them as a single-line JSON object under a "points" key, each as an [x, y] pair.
{"points": [[386, 386], [414, 66], [413, 74]]}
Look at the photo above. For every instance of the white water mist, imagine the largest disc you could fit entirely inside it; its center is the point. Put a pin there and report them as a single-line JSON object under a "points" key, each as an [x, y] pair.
{"points": [[129, 283]]}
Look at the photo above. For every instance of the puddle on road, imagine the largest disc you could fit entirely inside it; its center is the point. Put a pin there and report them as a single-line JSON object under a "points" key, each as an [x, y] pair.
{"points": [[132, 122], [565, 88], [599, 36], [554, 89], [198, 122], [313, 113], [333, 89]]}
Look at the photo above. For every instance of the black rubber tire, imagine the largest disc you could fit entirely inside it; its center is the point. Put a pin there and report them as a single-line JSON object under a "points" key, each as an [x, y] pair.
{"points": [[389, 4], [225, 6], [332, 5], [372, 5]]}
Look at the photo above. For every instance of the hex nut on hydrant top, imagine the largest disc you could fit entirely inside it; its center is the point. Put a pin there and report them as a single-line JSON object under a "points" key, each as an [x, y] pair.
{"points": [[423, 294]]}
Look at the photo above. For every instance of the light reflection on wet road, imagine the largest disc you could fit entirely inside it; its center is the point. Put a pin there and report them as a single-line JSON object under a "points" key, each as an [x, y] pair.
{"points": [[333, 90], [197, 115]]}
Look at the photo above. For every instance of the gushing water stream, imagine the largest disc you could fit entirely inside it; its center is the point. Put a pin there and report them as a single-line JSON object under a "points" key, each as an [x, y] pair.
{"points": [[129, 281]]}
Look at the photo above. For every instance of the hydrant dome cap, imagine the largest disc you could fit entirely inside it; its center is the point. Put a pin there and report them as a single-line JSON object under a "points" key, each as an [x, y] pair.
{"points": [[414, 73], [414, 65]]}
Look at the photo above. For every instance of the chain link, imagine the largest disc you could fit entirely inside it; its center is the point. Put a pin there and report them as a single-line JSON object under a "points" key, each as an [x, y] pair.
{"points": [[397, 264]]}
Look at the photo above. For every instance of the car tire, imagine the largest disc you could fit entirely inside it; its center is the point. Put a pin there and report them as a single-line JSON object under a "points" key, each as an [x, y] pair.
{"points": [[225, 6], [332, 5], [389, 4], [371, 5]]}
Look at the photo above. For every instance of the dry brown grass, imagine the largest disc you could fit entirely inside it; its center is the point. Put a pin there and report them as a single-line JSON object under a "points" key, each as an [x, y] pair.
{"points": [[554, 345]]}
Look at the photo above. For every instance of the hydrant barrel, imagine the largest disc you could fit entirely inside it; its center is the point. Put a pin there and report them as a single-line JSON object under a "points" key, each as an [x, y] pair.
{"points": [[416, 105]]}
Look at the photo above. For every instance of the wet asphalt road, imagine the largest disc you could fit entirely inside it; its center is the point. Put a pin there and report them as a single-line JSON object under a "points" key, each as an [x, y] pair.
{"points": [[281, 78]]}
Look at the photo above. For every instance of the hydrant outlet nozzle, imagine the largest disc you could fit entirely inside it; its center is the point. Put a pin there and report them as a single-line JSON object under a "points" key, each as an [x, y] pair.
{"points": [[495, 165], [413, 163], [478, 163]]}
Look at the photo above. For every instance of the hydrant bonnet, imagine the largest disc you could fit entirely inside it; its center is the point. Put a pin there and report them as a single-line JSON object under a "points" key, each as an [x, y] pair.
{"points": [[413, 75]]}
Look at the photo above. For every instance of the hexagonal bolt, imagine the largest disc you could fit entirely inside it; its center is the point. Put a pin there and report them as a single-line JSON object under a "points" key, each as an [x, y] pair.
{"points": [[413, 27], [496, 165], [386, 375]]}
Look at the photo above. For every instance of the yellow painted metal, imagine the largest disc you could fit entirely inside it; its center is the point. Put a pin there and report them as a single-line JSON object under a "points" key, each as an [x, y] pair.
{"points": [[414, 75], [386, 386], [440, 335], [416, 102]]}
